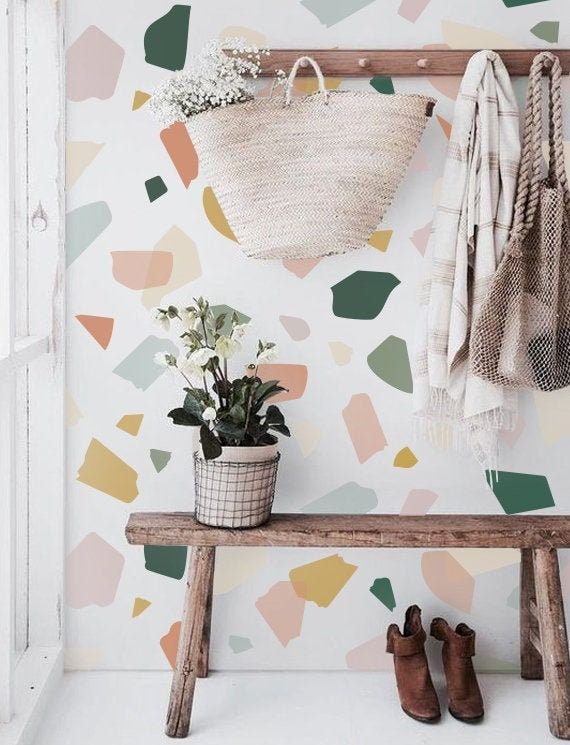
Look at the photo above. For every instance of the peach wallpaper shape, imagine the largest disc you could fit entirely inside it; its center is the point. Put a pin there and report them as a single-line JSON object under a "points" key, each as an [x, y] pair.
{"points": [[145, 228]]}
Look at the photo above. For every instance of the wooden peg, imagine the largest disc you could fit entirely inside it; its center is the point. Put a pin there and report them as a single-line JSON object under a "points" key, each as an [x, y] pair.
{"points": [[364, 62], [423, 63], [304, 63]]}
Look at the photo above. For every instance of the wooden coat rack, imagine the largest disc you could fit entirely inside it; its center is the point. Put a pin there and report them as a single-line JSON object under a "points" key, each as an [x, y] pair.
{"points": [[411, 62]]}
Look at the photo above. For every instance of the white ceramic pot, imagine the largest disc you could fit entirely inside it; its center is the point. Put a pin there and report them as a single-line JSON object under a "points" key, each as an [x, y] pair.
{"points": [[236, 489], [232, 454]]}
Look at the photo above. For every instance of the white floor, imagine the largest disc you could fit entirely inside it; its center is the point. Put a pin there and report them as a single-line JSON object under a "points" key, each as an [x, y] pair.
{"points": [[116, 708]]}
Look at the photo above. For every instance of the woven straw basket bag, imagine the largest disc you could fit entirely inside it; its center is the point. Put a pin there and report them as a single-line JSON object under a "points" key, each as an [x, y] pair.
{"points": [[306, 177], [522, 335]]}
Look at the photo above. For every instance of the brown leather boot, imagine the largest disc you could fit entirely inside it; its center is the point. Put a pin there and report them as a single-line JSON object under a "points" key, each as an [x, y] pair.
{"points": [[464, 696], [415, 688]]}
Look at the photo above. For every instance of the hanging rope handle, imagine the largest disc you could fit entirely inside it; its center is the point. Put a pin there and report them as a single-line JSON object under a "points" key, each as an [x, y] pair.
{"points": [[293, 74], [530, 169]]}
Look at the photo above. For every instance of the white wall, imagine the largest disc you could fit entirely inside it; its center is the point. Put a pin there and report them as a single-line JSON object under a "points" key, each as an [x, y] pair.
{"points": [[105, 576]]}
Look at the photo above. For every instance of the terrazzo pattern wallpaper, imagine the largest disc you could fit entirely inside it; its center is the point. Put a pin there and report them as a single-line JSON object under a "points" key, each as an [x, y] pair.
{"points": [[144, 228]]}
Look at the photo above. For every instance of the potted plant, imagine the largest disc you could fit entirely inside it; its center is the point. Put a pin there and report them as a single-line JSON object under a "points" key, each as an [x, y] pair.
{"points": [[236, 462]]}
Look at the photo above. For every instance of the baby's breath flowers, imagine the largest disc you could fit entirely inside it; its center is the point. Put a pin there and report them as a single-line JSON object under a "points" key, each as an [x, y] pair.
{"points": [[215, 79], [228, 411]]}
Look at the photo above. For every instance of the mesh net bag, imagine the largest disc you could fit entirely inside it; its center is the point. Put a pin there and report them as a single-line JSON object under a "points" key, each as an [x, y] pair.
{"points": [[300, 178], [521, 338]]}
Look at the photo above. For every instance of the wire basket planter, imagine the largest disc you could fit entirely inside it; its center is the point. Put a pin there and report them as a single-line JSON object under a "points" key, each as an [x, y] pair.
{"points": [[232, 494]]}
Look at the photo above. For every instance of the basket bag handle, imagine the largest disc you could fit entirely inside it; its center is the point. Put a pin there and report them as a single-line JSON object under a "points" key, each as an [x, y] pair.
{"points": [[530, 170], [293, 74]]}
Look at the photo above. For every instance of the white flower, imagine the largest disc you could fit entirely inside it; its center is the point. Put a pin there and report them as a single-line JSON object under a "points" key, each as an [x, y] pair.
{"points": [[239, 331], [268, 354], [202, 356], [209, 414], [189, 369], [190, 317], [226, 347], [161, 318], [164, 359], [214, 79]]}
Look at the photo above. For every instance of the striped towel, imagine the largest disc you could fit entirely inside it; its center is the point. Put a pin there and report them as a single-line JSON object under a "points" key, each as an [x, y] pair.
{"points": [[471, 225]]}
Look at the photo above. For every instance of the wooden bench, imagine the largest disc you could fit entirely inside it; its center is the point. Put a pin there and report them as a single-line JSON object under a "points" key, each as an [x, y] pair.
{"points": [[543, 637]]}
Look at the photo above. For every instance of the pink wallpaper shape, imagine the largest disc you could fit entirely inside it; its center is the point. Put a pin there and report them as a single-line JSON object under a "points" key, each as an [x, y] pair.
{"points": [[364, 427], [370, 655], [94, 62], [283, 611], [448, 580], [139, 270], [93, 572]]}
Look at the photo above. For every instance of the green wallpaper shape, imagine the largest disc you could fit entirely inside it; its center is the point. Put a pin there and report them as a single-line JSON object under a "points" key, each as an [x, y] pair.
{"points": [[139, 366], [227, 327], [155, 187], [170, 561], [390, 362], [239, 643], [345, 500], [166, 39], [330, 12], [362, 295], [382, 589], [82, 226], [160, 459], [382, 84], [520, 492], [547, 30], [516, 3]]}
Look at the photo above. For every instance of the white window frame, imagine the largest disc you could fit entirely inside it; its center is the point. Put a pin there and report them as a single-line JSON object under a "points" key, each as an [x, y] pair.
{"points": [[32, 311]]}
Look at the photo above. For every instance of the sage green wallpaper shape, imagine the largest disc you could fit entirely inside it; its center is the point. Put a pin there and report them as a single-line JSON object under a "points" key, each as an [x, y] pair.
{"points": [[145, 229]]}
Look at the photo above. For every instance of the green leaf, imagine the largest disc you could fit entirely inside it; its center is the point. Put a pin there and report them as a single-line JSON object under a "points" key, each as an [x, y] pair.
{"points": [[193, 404], [283, 429], [210, 444], [222, 387], [220, 320], [273, 415], [183, 417], [230, 429], [262, 388], [266, 390], [268, 439], [256, 430], [237, 413]]}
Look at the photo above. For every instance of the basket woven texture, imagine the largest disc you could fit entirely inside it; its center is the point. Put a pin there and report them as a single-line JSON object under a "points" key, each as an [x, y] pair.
{"points": [[234, 495], [305, 177], [522, 335]]}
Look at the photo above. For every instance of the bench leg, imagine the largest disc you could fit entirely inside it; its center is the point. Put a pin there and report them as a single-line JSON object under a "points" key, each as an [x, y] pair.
{"points": [[531, 659], [203, 660], [554, 640], [200, 575]]}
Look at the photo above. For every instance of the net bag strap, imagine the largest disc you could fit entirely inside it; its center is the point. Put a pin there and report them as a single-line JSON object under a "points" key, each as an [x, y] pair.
{"points": [[530, 170], [293, 74]]}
